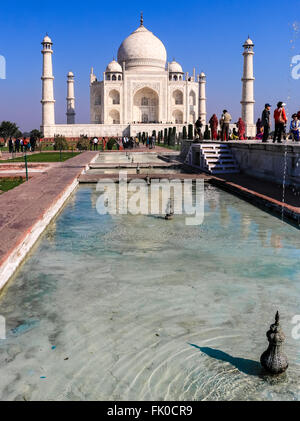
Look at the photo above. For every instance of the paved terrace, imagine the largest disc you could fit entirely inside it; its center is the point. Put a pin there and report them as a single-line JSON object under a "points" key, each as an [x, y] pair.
{"points": [[265, 194], [27, 210]]}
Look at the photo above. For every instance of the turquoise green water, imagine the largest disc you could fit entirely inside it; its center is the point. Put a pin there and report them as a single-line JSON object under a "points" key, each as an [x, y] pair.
{"points": [[139, 308]]}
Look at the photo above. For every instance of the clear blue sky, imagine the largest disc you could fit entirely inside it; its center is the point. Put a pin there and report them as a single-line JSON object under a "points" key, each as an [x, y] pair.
{"points": [[208, 35]]}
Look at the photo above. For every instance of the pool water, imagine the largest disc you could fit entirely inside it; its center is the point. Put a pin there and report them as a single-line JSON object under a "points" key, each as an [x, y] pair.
{"points": [[134, 171], [125, 158], [139, 308]]}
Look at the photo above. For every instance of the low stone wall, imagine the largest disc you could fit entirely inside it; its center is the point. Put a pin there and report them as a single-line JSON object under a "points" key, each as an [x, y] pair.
{"points": [[74, 131], [269, 161]]}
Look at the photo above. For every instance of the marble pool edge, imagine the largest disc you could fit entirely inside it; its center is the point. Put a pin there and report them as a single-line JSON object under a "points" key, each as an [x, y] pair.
{"points": [[30, 235]]}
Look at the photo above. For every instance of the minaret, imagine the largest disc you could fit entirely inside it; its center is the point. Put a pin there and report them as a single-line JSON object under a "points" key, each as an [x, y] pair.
{"points": [[48, 115], [248, 89], [93, 77], [202, 97], [70, 99]]}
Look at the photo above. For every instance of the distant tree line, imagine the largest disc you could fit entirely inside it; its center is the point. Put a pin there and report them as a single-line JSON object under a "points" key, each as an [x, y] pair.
{"points": [[9, 130]]}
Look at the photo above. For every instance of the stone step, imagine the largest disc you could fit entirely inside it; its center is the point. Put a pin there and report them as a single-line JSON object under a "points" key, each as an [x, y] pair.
{"points": [[222, 164], [219, 158], [234, 171]]}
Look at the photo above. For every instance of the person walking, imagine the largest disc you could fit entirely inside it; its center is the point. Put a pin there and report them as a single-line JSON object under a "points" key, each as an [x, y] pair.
{"points": [[10, 145], [198, 126], [295, 128], [241, 129], [213, 122], [266, 123], [32, 143], [17, 145], [153, 141], [95, 142], [25, 144], [280, 121], [225, 120]]}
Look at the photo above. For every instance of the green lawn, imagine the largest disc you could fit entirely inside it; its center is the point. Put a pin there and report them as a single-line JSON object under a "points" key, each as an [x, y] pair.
{"points": [[174, 148], [8, 184], [45, 157]]}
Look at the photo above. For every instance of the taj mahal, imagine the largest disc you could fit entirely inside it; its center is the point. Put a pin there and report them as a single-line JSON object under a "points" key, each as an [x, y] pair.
{"points": [[141, 91]]}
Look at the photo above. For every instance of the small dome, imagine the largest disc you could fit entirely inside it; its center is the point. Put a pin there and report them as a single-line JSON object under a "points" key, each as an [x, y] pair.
{"points": [[249, 42], [202, 74], [175, 67], [70, 74], [114, 67], [47, 40]]}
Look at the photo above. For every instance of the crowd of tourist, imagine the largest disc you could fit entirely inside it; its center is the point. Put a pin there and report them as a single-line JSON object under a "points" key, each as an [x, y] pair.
{"points": [[220, 129], [263, 125], [22, 144], [126, 142], [130, 143]]}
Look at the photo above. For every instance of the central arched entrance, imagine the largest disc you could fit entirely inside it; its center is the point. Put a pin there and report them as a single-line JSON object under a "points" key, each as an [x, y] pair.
{"points": [[145, 106]]}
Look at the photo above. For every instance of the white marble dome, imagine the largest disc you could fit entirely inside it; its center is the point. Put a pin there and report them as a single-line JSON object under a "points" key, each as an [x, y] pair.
{"points": [[175, 67], [47, 39], [249, 42], [114, 67], [142, 49]]}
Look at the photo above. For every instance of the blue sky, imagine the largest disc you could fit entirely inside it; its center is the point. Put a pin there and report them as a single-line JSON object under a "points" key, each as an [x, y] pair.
{"points": [[208, 35]]}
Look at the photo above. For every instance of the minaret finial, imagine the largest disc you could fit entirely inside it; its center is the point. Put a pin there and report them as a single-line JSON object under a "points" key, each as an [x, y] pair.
{"points": [[277, 318], [142, 19]]}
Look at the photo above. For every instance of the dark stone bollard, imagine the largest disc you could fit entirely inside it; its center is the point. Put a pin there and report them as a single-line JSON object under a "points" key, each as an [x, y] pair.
{"points": [[273, 359], [170, 213]]}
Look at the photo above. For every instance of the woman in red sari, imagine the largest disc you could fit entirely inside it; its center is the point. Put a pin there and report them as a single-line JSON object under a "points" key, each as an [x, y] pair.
{"points": [[213, 122], [242, 129]]}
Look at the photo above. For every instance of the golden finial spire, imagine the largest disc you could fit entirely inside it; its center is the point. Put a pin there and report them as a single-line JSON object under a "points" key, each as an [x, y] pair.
{"points": [[142, 19]]}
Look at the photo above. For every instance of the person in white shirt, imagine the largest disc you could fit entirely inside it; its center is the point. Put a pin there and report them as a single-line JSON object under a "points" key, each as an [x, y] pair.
{"points": [[95, 142]]}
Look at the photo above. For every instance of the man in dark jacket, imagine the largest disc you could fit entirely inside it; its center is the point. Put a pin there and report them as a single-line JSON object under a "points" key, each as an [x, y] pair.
{"points": [[32, 143], [265, 120], [198, 125]]}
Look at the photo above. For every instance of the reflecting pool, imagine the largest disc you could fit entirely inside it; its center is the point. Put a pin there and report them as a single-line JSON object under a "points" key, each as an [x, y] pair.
{"points": [[123, 158], [139, 308]]}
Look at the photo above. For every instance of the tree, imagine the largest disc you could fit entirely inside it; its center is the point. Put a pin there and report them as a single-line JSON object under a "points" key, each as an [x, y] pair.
{"points": [[8, 129], [173, 136], [60, 143], [83, 143], [111, 143], [18, 134], [184, 133], [166, 136], [191, 132], [36, 134], [169, 136]]}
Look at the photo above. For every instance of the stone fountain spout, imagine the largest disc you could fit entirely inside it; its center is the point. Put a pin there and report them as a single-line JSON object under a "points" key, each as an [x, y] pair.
{"points": [[273, 360]]}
